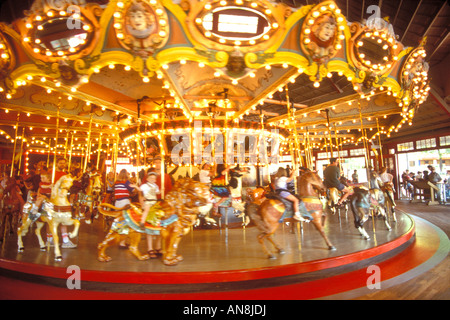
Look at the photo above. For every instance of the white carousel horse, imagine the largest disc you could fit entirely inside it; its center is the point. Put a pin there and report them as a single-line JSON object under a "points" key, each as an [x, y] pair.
{"points": [[235, 184], [55, 212], [92, 196]]}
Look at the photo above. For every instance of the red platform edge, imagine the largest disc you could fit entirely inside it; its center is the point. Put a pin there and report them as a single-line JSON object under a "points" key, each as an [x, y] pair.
{"points": [[210, 276]]}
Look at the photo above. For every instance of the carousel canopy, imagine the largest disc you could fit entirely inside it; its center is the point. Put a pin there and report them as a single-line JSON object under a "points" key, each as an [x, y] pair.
{"points": [[94, 73]]}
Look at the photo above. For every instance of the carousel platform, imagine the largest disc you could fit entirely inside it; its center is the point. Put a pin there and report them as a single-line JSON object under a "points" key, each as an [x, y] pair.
{"points": [[228, 263]]}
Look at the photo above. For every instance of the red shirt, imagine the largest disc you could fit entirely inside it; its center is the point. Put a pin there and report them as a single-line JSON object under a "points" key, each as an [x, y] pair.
{"points": [[45, 188], [58, 175], [167, 184]]}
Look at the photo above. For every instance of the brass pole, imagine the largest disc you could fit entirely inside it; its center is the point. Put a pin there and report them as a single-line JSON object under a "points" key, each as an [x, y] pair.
{"points": [[71, 150], [56, 143], [379, 142], [21, 149], [15, 144], [88, 146]]}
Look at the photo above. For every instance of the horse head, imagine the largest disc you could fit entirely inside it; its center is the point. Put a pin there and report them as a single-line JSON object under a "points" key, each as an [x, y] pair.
{"points": [[235, 174], [312, 179], [60, 190]]}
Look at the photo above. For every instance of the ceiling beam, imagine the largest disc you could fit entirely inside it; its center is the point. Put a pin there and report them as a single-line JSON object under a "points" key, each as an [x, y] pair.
{"points": [[364, 115], [320, 106], [444, 4], [411, 20]]}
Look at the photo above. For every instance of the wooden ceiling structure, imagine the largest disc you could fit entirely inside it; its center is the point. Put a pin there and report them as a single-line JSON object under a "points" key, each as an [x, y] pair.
{"points": [[116, 85]]}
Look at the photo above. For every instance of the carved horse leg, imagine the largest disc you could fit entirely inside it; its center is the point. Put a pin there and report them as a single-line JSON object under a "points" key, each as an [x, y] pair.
{"points": [[360, 218], [111, 238], [53, 227], [22, 232], [317, 222], [39, 226], [135, 238]]}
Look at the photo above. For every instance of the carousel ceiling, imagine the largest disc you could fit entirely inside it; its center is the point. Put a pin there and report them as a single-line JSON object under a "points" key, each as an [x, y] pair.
{"points": [[345, 71]]}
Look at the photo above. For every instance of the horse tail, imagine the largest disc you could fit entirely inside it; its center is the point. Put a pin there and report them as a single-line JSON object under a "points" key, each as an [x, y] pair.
{"points": [[112, 212]]}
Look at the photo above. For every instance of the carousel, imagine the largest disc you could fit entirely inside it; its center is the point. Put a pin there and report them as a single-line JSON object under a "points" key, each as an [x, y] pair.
{"points": [[123, 84]]}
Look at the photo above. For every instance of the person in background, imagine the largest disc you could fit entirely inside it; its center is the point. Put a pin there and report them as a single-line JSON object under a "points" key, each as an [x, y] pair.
{"points": [[435, 178], [355, 176], [332, 175], [123, 189], [205, 174]]}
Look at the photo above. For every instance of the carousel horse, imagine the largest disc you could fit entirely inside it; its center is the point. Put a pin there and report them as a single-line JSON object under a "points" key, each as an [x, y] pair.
{"points": [[267, 213], [91, 198], [175, 216], [388, 190], [378, 200], [334, 195], [54, 212], [12, 207], [361, 203], [235, 183]]}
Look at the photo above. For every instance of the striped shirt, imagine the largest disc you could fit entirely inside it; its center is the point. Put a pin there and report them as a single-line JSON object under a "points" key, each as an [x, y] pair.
{"points": [[122, 190]]}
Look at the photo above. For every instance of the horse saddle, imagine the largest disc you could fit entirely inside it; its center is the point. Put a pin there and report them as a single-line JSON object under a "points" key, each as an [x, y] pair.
{"points": [[289, 207]]}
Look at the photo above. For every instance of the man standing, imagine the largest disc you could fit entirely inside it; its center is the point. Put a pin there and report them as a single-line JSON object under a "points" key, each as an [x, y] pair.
{"points": [[331, 175]]}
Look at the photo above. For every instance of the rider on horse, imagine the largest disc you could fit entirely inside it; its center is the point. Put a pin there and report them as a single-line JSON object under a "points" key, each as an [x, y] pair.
{"points": [[332, 175], [281, 188]]}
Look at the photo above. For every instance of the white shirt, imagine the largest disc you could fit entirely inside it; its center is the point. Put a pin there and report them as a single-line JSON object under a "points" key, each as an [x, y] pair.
{"points": [[386, 177], [281, 183], [204, 176], [150, 190]]}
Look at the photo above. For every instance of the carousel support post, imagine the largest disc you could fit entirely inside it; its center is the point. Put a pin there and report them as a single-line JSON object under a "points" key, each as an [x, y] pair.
{"points": [[379, 142], [362, 135], [56, 143], [99, 150], [21, 149], [88, 145], [15, 145], [48, 152], [71, 150], [65, 146], [329, 132]]}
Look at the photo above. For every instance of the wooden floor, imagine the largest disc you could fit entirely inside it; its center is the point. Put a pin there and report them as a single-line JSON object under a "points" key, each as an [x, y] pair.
{"points": [[223, 252], [434, 284]]}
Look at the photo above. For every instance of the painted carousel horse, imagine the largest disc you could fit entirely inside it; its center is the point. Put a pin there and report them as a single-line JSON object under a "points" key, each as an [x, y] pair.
{"points": [[91, 197], [333, 196], [54, 212], [388, 190], [267, 213], [361, 202], [12, 203], [378, 200], [174, 218], [235, 184]]}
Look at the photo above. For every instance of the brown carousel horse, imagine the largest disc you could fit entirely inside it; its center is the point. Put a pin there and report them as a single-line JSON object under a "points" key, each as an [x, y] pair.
{"points": [[12, 204], [54, 212], [267, 213], [92, 195], [175, 216]]}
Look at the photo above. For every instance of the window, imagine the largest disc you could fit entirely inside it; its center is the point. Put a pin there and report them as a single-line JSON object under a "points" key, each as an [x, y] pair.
{"points": [[444, 141], [357, 152], [343, 153], [426, 143], [405, 146]]}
